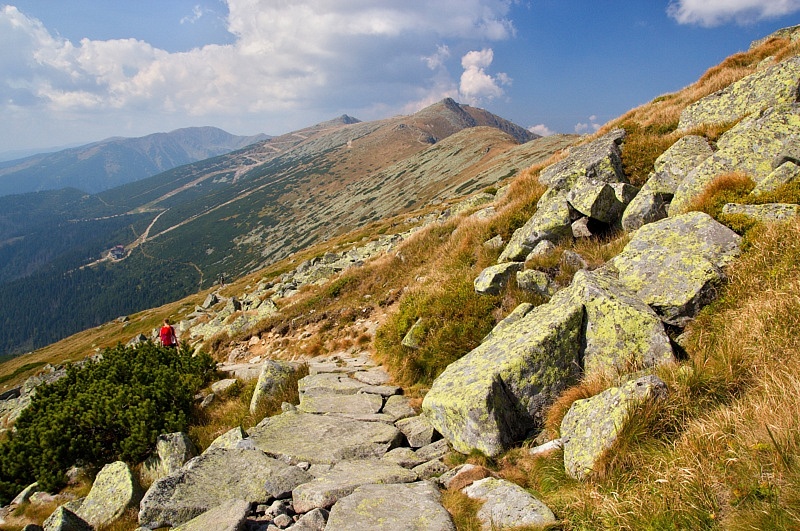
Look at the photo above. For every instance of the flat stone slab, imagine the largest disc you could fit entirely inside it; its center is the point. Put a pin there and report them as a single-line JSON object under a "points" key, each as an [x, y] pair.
{"points": [[322, 439], [345, 477], [358, 404], [398, 407], [404, 507], [507, 505], [374, 376], [213, 478], [418, 431], [769, 213], [328, 384], [230, 516]]}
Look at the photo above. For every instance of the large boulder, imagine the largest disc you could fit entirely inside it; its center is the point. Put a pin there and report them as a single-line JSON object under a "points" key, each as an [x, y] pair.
{"points": [[591, 426], [114, 490], [323, 439], [63, 519], [775, 85], [621, 333], [675, 264], [494, 395], [552, 221], [750, 147], [671, 167], [507, 505], [229, 516], [599, 160], [768, 213], [407, 506], [213, 478], [345, 477], [274, 376], [172, 452], [494, 278]]}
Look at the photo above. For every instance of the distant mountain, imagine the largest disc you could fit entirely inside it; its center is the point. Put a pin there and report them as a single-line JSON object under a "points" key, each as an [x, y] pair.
{"points": [[237, 212], [116, 161]]}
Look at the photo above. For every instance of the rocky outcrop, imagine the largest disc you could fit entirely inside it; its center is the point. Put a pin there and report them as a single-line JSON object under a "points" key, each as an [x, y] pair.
{"points": [[172, 451], [113, 491], [776, 85], [591, 426], [768, 213], [274, 376], [410, 506], [494, 278], [213, 478], [506, 505]]}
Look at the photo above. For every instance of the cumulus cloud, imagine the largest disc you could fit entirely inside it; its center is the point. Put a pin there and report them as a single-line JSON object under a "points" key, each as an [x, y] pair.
{"points": [[591, 126], [476, 84], [710, 13], [287, 61], [541, 129]]}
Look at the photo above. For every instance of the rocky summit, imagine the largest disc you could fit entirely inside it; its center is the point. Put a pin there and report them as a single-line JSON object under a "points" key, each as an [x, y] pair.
{"points": [[586, 368]]}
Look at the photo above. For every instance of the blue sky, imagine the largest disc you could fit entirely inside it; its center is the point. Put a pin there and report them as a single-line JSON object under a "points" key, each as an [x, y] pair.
{"points": [[82, 70]]}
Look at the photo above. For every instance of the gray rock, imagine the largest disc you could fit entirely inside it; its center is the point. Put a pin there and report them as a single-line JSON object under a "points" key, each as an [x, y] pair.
{"points": [[491, 397], [494, 278], [172, 452], [598, 160], [345, 477], [768, 213], [787, 172], [274, 376], [382, 390], [63, 519], [398, 407], [597, 200], [297, 436], [401, 507], [591, 426], [329, 384], [462, 476], [229, 439], [508, 505], [580, 228], [311, 521], [543, 248], [418, 431], [26, 493], [775, 85], [621, 333], [675, 264], [230, 515], [213, 478], [414, 336], [373, 376], [651, 203], [430, 469], [516, 314], [434, 450], [573, 260], [221, 386], [405, 457], [552, 222], [210, 300], [358, 404], [114, 490], [679, 160], [536, 282], [494, 243]]}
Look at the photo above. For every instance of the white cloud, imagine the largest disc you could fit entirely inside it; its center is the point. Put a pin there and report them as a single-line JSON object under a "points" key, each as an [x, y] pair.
{"points": [[476, 84], [541, 129], [716, 12], [290, 62], [591, 126], [197, 13]]}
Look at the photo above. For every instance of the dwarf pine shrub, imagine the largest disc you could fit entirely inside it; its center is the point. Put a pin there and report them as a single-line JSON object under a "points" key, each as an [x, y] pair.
{"points": [[104, 410]]}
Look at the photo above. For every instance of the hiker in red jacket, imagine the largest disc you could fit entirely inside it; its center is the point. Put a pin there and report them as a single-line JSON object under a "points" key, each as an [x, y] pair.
{"points": [[167, 335]]}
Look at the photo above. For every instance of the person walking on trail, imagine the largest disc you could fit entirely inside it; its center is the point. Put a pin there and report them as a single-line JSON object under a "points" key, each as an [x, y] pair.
{"points": [[167, 335]]}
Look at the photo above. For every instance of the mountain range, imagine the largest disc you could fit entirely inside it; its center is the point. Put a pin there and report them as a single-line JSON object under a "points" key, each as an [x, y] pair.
{"points": [[116, 161], [176, 232]]}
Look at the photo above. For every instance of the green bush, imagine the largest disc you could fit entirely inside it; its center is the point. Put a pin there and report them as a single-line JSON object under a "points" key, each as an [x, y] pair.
{"points": [[105, 410]]}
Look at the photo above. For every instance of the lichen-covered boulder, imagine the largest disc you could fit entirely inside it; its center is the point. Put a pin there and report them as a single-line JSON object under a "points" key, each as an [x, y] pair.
{"points": [[323, 439], [228, 516], [535, 281], [785, 172], [229, 439], [671, 167], [675, 264], [591, 426], [172, 451], [622, 333], [770, 212], [63, 519], [599, 160], [418, 431], [769, 87], [358, 404], [114, 490], [398, 407], [507, 505], [494, 278], [407, 506], [516, 314], [415, 335], [213, 478], [597, 200], [494, 395], [345, 477], [552, 221], [274, 376], [750, 147]]}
